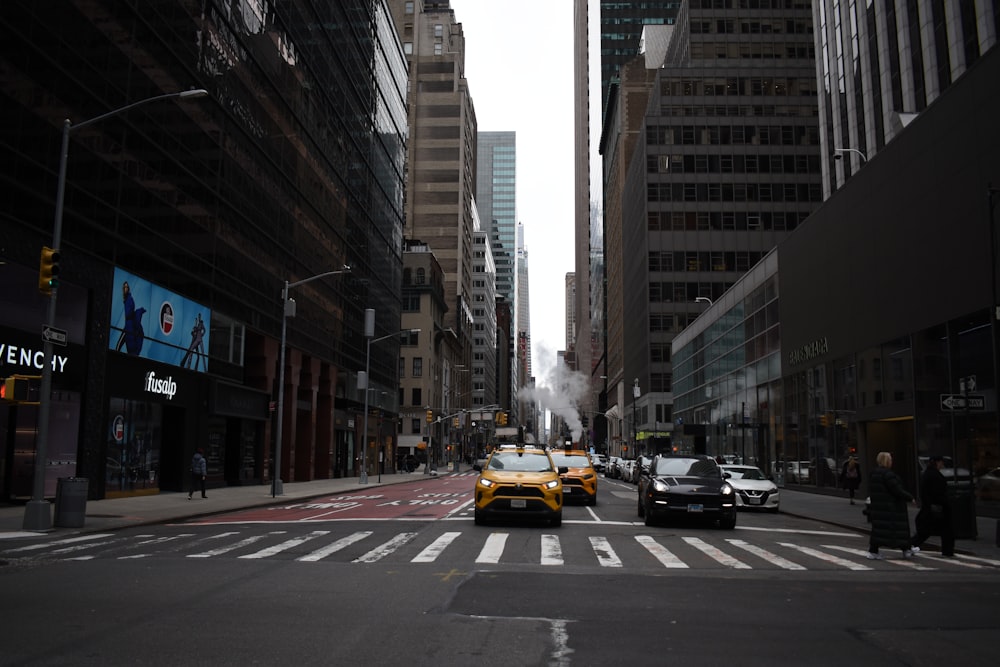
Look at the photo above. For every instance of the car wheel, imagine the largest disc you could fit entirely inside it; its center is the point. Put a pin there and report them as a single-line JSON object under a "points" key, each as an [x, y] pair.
{"points": [[478, 518], [772, 510], [650, 521], [728, 523], [557, 519], [592, 501]]}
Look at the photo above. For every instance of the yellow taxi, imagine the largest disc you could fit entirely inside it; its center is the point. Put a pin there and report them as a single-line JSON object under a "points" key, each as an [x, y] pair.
{"points": [[580, 479], [519, 481]]}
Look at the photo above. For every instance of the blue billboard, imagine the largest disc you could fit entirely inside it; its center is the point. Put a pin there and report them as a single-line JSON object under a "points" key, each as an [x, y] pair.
{"points": [[154, 323]]}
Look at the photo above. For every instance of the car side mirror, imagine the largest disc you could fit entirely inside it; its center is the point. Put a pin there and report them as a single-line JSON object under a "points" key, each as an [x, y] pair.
{"points": [[726, 475], [477, 467]]}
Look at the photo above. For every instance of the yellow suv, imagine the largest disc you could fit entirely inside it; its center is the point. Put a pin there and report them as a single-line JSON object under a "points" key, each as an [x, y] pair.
{"points": [[580, 479], [519, 481]]}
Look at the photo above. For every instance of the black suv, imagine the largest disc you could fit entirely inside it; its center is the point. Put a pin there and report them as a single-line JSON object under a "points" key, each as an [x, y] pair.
{"points": [[692, 487]]}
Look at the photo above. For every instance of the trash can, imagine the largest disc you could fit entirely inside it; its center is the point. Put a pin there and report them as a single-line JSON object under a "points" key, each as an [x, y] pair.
{"points": [[963, 510], [71, 502]]}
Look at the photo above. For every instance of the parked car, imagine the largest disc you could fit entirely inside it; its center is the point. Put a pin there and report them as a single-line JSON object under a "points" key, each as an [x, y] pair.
{"points": [[753, 488], [614, 470], [988, 485], [627, 466], [691, 487]]}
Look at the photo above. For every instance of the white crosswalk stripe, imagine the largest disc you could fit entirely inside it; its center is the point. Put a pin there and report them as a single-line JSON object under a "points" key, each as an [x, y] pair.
{"points": [[342, 543], [661, 553], [666, 550], [716, 554], [286, 545], [431, 553], [383, 550], [493, 549], [606, 555], [764, 554]]}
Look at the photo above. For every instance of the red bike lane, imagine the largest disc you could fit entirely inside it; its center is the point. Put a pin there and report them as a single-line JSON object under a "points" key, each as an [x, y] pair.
{"points": [[428, 499]]}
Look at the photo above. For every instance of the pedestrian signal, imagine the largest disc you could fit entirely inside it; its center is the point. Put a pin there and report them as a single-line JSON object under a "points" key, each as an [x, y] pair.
{"points": [[48, 270]]}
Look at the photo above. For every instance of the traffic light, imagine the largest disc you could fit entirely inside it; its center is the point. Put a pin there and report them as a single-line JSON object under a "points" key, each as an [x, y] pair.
{"points": [[454, 423], [585, 420], [48, 270], [430, 416], [823, 421], [14, 389]]}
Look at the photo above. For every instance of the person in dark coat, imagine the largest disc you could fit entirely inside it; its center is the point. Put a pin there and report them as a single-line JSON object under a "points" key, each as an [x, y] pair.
{"points": [[199, 471], [934, 517], [890, 521], [850, 477]]}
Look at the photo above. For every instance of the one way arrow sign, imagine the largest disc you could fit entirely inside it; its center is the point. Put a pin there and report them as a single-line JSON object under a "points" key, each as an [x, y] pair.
{"points": [[54, 336], [960, 402]]}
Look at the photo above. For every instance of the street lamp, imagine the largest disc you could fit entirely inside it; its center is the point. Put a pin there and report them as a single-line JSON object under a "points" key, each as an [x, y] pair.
{"points": [[635, 401], [288, 310], [369, 332], [36, 512], [838, 151]]}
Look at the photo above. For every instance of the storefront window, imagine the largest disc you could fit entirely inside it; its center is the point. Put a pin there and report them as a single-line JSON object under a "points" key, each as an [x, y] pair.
{"points": [[134, 443]]}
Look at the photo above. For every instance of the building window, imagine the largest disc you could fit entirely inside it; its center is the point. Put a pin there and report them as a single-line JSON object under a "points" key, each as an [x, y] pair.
{"points": [[418, 367], [421, 276], [416, 397], [408, 7], [414, 426], [408, 48]]}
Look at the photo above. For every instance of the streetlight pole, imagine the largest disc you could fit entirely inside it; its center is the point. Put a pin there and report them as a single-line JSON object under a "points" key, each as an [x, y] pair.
{"points": [[838, 151], [369, 332], [288, 310], [36, 512], [635, 401]]}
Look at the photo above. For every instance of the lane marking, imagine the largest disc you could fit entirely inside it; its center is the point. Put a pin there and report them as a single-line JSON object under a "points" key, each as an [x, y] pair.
{"points": [[764, 554], [716, 554], [551, 550], [492, 549], [606, 555], [287, 544], [232, 547], [661, 553], [895, 561], [343, 542], [828, 558], [430, 554], [384, 550], [68, 540]]}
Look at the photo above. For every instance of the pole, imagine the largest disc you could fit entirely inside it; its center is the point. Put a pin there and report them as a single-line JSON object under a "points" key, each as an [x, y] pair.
{"points": [[364, 441], [277, 488]]}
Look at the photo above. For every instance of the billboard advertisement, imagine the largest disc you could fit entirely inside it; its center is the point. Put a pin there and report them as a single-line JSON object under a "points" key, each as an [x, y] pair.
{"points": [[154, 323]]}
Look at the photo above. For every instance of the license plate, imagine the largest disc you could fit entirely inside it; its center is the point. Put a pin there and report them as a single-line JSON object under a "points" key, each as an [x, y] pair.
{"points": [[517, 504], [567, 489], [696, 507]]}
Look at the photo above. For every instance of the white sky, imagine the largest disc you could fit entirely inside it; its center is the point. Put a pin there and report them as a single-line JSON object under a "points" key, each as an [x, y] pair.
{"points": [[519, 64]]}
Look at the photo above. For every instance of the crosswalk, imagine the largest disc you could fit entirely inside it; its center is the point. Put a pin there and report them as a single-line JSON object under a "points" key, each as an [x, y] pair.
{"points": [[495, 548]]}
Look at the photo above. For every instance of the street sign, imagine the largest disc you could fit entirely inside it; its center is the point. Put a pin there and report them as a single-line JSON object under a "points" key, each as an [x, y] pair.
{"points": [[54, 336], [960, 402]]}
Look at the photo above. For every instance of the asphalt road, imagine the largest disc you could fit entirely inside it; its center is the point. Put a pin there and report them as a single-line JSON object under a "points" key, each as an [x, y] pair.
{"points": [[420, 584]]}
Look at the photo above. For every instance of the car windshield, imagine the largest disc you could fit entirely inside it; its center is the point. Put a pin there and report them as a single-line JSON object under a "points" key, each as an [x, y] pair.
{"points": [[520, 462], [746, 473], [570, 460], [687, 467]]}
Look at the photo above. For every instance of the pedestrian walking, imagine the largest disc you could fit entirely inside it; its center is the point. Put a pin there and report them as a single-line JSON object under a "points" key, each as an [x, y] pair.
{"points": [[934, 517], [199, 471], [850, 477], [890, 521]]}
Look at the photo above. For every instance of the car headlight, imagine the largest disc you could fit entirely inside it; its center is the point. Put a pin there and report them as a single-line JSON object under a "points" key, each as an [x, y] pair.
{"points": [[488, 483], [727, 490], [552, 484], [659, 486]]}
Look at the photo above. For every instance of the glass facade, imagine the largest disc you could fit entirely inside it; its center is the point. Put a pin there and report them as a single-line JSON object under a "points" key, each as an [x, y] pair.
{"points": [[292, 166]]}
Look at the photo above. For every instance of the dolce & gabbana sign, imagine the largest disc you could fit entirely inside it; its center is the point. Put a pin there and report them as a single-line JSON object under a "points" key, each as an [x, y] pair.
{"points": [[809, 351]]}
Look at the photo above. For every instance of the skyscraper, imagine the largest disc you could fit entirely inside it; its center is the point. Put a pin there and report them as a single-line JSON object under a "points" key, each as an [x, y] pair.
{"points": [[881, 63]]}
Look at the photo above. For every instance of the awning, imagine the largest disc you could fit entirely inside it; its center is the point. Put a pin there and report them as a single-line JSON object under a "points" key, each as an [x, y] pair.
{"points": [[613, 412]]}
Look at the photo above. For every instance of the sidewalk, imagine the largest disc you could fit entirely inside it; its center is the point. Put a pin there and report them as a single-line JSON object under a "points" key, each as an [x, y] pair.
{"points": [[113, 514]]}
